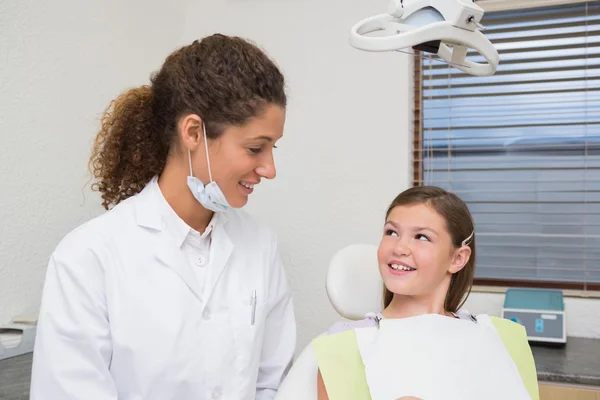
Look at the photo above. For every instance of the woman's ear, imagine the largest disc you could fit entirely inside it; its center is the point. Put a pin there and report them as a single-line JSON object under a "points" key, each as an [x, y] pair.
{"points": [[460, 259], [190, 131]]}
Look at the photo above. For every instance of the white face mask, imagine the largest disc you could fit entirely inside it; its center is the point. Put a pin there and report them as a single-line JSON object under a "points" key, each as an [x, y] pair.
{"points": [[210, 196]]}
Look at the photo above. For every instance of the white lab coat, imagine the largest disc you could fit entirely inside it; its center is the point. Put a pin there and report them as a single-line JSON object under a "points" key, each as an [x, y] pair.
{"points": [[122, 316]]}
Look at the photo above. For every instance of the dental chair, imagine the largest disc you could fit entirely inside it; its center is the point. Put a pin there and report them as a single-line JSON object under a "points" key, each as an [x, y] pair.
{"points": [[354, 288]]}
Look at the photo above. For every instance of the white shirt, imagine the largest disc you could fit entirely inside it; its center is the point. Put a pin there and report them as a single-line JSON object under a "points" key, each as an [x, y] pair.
{"points": [[123, 315], [194, 244], [197, 249]]}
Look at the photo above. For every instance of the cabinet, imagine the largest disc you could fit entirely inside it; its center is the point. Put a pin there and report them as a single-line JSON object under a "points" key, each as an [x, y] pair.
{"points": [[552, 391]]}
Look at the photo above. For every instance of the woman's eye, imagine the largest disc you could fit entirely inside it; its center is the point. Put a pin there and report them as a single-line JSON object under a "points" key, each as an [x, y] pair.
{"points": [[422, 237], [390, 232], [255, 150]]}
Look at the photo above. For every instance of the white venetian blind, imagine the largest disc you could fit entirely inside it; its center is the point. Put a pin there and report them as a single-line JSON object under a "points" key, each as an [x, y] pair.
{"points": [[522, 147]]}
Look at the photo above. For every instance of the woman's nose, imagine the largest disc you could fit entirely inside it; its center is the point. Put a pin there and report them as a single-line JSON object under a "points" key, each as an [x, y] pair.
{"points": [[267, 169]]}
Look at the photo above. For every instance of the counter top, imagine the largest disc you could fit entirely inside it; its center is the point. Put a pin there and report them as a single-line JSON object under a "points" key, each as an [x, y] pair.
{"points": [[14, 377], [577, 363]]}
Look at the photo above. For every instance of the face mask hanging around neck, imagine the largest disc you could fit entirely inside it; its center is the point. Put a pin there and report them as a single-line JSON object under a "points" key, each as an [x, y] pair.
{"points": [[209, 196]]}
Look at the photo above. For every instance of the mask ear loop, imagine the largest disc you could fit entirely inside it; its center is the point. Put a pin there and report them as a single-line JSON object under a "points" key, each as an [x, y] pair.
{"points": [[207, 156], [206, 147], [190, 161], [468, 240]]}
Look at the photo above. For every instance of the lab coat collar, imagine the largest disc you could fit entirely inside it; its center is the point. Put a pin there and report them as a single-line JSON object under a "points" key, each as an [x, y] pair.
{"points": [[153, 211], [172, 222], [147, 209], [150, 213]]}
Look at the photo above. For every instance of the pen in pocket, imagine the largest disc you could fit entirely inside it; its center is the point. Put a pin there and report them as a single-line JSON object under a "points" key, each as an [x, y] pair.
{"points": [[253, 304]]}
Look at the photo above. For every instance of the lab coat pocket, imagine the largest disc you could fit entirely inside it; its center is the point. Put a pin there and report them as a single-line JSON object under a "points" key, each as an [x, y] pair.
{"points": [[248, 324]]}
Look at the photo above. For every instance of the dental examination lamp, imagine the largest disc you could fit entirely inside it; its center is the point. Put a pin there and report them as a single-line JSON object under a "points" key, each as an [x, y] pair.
{"points": [[447, 28]]}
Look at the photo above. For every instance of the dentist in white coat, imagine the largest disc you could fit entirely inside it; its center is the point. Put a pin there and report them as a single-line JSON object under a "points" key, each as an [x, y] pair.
{"points": [[175, 293]]}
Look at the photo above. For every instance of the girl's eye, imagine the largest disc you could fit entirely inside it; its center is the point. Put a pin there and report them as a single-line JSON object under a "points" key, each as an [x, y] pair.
{"points": [[390, 232], [420, 236]]}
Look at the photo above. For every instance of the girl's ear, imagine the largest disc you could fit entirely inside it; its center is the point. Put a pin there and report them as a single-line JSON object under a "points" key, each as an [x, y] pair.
{"points": [[460, 259]]}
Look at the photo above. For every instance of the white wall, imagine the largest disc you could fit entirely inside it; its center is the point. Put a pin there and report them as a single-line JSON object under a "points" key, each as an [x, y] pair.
{"points": [[61, 62], [345, 154]]}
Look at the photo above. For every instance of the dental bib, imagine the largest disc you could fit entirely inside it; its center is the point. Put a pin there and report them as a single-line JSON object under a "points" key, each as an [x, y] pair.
{"points": [[447, 28], [433, 357]]}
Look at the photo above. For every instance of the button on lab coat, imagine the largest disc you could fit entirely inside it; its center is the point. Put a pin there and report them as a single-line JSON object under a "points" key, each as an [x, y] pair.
{"points": [[123, 316]]}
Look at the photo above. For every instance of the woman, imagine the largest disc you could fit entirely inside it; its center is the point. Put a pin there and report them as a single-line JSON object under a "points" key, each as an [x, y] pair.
{"points": [[175, 293]]}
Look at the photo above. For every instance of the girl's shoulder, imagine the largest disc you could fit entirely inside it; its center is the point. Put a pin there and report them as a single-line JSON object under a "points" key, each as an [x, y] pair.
{"points": [[372, 320], [369, 321]]}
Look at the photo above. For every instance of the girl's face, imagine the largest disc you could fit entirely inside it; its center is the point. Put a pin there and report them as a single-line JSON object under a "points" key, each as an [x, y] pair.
{"points": [[416, 255]]}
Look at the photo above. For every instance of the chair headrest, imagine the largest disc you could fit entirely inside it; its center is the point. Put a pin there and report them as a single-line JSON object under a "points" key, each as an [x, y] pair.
{"points": [[354, 285]]}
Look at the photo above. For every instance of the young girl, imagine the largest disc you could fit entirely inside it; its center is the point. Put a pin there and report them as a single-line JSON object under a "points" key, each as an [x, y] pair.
{"points": [[426, 258]]}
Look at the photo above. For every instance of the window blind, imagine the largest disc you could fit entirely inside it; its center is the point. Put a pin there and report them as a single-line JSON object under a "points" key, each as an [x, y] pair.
{"points": [[522, 147]]}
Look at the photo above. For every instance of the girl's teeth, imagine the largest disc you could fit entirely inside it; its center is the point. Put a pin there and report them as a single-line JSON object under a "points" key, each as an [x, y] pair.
{"points": [[401, 267], [247, 185]]}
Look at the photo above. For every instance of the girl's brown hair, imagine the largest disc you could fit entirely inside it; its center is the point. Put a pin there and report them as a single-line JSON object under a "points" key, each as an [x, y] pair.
{"points": [[459, 224], [224, 80]]}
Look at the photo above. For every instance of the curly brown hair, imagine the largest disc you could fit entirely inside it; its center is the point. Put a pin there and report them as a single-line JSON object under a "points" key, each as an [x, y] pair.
{"points": [[460, 225], [225, 80]]}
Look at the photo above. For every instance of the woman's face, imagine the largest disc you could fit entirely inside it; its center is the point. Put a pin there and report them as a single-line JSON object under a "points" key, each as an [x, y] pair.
{"points": [[242, 155]]}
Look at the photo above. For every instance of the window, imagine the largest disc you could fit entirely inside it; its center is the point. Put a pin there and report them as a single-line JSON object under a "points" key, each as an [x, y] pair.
{"points": [[522, 147]]}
